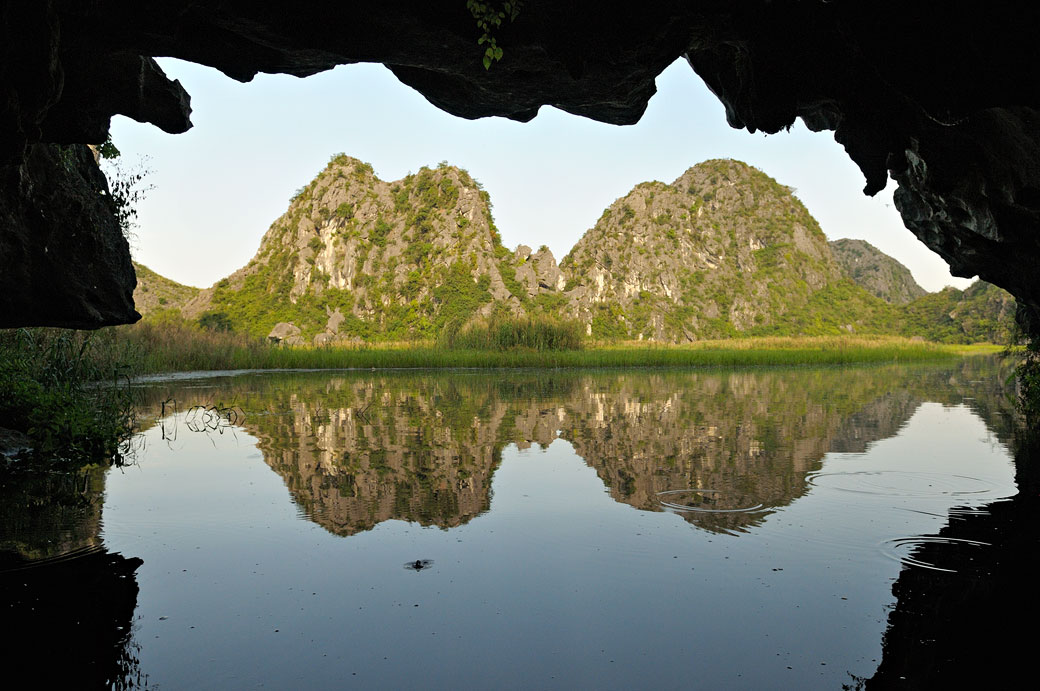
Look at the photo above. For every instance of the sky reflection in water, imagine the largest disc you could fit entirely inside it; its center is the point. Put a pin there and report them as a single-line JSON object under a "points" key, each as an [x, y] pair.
{"points": [[536, 498]]}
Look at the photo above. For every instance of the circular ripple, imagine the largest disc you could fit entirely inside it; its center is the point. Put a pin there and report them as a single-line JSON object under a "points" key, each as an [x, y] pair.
{"points": [[419, 565], [899, 483], [704, 498], [902, 549]]}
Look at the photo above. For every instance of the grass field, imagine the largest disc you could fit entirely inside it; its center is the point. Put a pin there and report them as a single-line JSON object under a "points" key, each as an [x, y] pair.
{"points": [[163, 350]]}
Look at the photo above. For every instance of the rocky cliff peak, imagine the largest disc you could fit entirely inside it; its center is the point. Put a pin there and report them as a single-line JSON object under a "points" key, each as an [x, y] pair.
{"points": [[721, 250], [357, 257], [876, 272]]}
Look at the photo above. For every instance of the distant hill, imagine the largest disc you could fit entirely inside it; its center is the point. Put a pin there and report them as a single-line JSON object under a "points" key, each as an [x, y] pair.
{"points": [[723, 251], [355, 257], [875, 271], [155, 293], [982, 312]]}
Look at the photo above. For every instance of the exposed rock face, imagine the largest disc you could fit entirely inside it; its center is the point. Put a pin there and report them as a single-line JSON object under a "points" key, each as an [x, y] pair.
{"points": [[721, 250], [63, 257], [538, 272], [875, 271], [957, 129], [284, 332], [356, 257], [971, 192]]}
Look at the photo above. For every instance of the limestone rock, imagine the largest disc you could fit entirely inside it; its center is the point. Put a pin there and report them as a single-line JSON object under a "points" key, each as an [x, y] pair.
{"points": [[538, 272], [720, 251], [878, 273], [356, 257], [287, 333]]}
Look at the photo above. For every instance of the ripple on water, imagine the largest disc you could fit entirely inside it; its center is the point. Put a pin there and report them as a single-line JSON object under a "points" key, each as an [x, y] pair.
{"points": [[18, 563], [701, 501], [913, 551], [419, 564], [901, 483]]}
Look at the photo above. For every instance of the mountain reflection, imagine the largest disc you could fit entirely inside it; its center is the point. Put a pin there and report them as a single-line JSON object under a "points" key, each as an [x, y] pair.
{"points": [[358, 449]]}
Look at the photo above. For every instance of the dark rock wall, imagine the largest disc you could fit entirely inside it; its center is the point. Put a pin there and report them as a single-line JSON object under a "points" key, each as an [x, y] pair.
{"points": [[940, 98], [63, 258]]}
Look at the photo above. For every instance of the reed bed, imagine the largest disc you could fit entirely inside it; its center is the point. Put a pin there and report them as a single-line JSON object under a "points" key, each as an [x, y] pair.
{"points": [[182, 348], [531, 333]]}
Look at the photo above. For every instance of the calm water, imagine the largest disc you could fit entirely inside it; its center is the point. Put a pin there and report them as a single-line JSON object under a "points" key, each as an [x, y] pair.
{"points": [[764, 529]]}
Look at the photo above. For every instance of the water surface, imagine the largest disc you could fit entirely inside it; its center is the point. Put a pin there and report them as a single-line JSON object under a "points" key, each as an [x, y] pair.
{"points": [[548, 529]]}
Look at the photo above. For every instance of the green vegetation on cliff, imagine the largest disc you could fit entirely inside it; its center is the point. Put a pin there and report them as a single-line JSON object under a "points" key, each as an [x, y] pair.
{"points": [[982, 312], [876, 272], [356, 258], [724, 251], [155, 293]]}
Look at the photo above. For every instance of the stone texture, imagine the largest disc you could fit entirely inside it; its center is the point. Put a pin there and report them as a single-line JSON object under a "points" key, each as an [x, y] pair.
{"points": [[876, 272], [537, 272], [63, 258], [721, 250], [287, 333], [380, 259]]}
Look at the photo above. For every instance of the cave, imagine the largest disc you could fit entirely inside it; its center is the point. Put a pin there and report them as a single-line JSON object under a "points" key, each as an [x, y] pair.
{"points": [[939, 102]]}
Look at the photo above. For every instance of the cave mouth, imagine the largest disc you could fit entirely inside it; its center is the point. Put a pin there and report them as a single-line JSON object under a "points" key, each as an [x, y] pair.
{"points": [[955, 129], [549, 179]]}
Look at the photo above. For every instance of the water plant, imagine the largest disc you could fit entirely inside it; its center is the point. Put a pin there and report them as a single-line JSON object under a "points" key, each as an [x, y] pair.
{"points": [[68, 393]]}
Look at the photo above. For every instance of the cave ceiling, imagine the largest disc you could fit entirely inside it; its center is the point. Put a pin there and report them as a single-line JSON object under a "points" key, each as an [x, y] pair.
{"points": [[942, 98]]}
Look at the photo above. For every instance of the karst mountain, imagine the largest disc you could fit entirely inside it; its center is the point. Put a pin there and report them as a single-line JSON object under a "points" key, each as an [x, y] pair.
{"points": [[722, 251]]}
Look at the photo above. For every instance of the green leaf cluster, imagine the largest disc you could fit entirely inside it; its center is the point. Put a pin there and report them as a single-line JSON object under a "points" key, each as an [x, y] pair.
{"points": [[489, 17]]}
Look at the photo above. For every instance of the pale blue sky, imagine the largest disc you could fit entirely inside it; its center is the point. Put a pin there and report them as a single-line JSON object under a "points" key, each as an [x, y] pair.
{"points": [[218, 187]]}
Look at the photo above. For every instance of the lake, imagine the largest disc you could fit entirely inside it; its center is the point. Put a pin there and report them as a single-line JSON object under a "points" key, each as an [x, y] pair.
{"points": [[848, 527]]}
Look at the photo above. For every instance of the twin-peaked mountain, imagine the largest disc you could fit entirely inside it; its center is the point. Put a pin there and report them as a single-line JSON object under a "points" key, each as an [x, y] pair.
{"points": [[722, 251], [355, 257]]}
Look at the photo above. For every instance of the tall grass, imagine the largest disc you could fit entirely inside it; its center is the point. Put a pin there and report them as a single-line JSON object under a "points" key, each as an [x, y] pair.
{"points": [[501, 334], [67, 392], [179, 347]]}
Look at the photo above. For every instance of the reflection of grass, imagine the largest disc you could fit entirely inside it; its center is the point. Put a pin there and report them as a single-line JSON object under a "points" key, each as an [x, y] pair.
{"points": [[183, 348]]}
